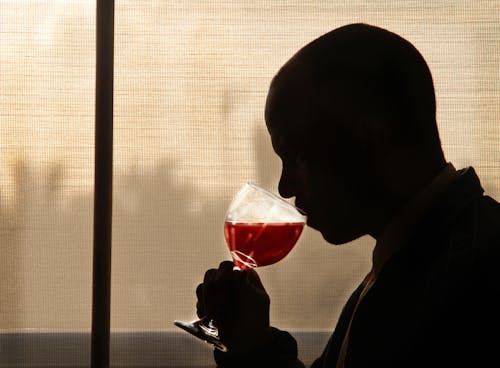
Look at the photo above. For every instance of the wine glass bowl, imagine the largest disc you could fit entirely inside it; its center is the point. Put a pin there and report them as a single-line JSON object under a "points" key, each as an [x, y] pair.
{"points": [[260, 229]]}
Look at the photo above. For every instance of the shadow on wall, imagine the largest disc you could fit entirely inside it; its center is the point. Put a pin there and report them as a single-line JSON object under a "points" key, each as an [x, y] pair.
{"points": [[10, 243], [45, 245], [161, 227], [165, 235]]}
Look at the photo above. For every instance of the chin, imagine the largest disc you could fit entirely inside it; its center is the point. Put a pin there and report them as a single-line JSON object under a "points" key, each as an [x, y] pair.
{"points": [[337, 237], [334, 239]]}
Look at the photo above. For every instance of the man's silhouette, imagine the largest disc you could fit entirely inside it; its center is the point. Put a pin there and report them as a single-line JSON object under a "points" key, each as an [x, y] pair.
{"points": [[352, 117]]}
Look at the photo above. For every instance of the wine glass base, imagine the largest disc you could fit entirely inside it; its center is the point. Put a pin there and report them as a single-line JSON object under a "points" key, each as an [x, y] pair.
{"points": [[207, 334]]}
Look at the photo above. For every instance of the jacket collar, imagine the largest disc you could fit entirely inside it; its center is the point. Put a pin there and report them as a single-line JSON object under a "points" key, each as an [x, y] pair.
{"points": [[436, 221], [401, 227]]}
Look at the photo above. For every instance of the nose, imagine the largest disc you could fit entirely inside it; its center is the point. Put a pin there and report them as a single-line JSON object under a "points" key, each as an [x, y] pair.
{"points": [[287, 186]]}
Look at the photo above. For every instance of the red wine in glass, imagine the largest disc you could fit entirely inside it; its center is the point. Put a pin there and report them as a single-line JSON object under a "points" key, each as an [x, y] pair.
{"points": [[260, 244], [260, 229]]}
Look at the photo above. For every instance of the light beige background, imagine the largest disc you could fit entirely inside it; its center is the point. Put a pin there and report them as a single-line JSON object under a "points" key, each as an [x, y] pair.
{"points": [[191, 79]]}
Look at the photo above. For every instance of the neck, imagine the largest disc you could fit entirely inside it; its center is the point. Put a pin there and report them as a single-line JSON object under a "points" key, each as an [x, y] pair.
{"points": [[396, 189], [404, 222]]}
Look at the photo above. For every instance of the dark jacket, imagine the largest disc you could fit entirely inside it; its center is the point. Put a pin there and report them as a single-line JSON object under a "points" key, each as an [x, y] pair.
{"points": [[435, 303]]}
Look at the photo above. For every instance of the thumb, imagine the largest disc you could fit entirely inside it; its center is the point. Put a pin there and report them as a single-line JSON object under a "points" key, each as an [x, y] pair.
{"points": [[254, 279]]}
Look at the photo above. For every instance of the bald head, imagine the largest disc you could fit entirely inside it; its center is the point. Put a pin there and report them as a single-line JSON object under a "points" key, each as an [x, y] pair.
{"points": [[356, 82]]}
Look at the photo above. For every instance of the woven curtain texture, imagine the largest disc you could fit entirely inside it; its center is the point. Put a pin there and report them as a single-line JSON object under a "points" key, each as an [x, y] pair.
{"points": [[191, 78], [47, 68]]}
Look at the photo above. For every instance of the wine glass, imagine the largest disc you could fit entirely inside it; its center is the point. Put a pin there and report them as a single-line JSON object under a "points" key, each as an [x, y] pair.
{"points": [[260, 229]]}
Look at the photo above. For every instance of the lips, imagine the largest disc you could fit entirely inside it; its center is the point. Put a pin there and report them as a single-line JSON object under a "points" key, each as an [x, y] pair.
{"points": [[305, 211], [301, 207], [302, 211]]}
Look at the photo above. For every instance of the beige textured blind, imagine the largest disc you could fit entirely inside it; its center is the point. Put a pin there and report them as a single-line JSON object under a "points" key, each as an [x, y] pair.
{"points": [[191, 79], [47, 57]]}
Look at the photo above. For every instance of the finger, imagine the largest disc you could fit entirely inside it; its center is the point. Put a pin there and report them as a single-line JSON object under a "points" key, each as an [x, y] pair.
{"points": [[200, 310], [216, 289], [224, 273], [254, 279], [239, 278], [200, 303], [210, 275], [199, 291], [247, 278], [226, 264]]}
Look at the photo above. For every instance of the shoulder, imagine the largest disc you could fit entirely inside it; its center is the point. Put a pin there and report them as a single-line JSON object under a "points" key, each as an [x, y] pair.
{"points": [[474, 245], [477, 228], [488, 213]]}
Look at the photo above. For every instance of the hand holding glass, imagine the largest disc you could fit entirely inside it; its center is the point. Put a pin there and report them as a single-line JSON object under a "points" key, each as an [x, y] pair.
{"points": [[260, 229]]}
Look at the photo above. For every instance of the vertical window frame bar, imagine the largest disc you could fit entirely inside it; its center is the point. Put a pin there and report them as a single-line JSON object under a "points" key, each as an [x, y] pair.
{"points": [[103, 184]]}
